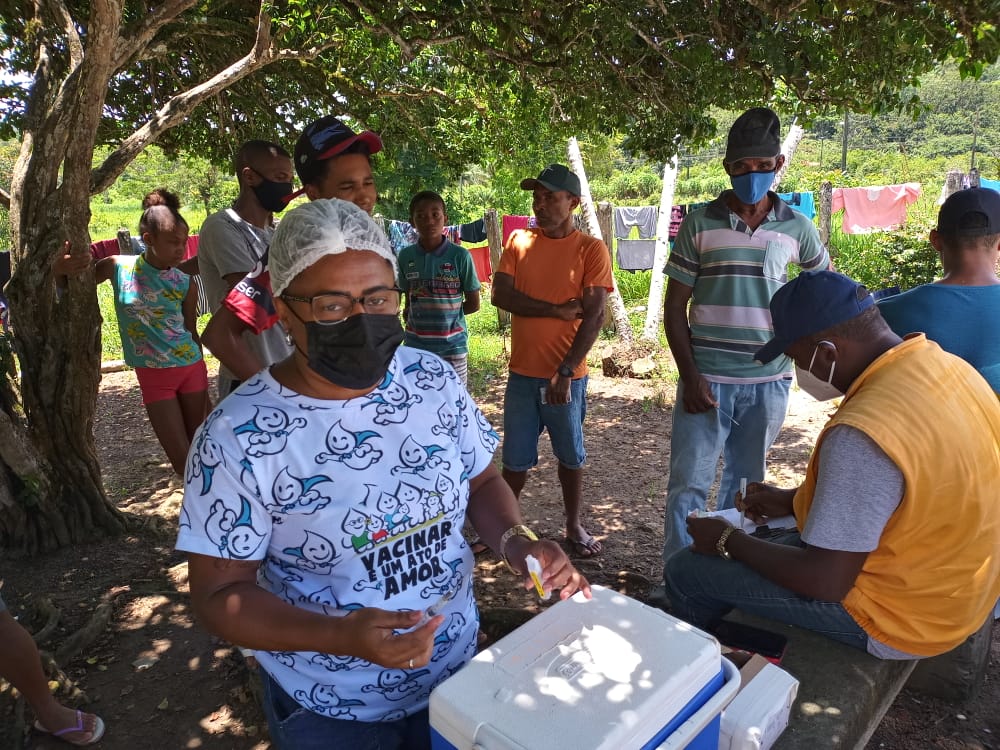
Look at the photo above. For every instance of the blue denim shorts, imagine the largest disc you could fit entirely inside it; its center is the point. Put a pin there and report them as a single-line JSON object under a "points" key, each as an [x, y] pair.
{"points": [[525, 417], [294, 727]]}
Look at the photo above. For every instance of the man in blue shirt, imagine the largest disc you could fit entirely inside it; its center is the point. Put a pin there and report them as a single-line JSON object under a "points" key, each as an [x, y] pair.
{"points": [[960, 311]]}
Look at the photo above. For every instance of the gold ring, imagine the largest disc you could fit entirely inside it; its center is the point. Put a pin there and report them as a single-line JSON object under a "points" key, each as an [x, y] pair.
{"points": [[411, 663]]}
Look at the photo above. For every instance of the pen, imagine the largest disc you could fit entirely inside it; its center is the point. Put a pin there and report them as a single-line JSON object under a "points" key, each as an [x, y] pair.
{"points": [[728, 416], [743, 499]]}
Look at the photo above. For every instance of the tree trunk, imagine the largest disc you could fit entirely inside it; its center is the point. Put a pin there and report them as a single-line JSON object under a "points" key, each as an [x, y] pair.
{"points": [[788, 147], [618, 310], [52, 493]]}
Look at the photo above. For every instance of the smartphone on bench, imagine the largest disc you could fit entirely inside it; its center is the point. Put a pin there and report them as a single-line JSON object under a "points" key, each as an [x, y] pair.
{"points": [[753, 640]]}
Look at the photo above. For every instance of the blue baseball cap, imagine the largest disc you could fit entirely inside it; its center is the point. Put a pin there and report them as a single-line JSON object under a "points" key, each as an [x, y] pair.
{"points": [[810, 303]]}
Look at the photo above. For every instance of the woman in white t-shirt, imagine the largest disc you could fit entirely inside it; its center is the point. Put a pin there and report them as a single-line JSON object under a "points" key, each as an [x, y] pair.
{"points": [[325, 500]]}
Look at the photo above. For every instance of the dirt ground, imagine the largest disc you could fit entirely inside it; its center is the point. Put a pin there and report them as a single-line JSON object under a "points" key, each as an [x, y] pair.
{"points": [[160, 681]]}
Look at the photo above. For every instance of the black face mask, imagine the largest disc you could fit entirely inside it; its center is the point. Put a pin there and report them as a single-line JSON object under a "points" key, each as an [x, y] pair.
{"points": [[272, 195], [354, 354]]}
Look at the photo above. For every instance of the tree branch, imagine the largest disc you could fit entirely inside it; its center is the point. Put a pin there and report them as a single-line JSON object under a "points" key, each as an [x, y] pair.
{"points": [[146, 30], [175, 110], [61, 15], [4, 198]]}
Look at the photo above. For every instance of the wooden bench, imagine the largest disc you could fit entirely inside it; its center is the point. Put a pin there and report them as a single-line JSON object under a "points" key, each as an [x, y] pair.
{"points": [[844, 693]]}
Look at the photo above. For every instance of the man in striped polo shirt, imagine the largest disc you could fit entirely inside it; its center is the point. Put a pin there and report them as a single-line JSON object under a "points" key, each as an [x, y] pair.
{"points": [[729, 258]]}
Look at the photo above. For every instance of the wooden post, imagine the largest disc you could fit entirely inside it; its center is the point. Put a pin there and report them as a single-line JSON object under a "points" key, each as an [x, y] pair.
{"points": [[825, 214], [605, 211], [654, 308], [952, 183], [792, 140], [495, 238], [619, 314]]}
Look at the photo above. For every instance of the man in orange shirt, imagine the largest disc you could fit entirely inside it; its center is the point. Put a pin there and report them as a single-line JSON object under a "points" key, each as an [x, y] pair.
{"points": [[554, 280]]}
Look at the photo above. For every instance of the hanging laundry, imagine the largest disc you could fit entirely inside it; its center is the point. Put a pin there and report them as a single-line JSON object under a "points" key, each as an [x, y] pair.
{"points": [[677, 214], [801, 202], [635, 255], [869, 209], [991, 184], [643, 217], [453, 233], [510, 223], [481, 260], [474, 232], [191, 248], [401, 234]]}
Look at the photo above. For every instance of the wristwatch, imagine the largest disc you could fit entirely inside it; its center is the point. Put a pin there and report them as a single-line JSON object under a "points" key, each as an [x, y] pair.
{"points": [[720, 546], [565, 371], [519, 530]]}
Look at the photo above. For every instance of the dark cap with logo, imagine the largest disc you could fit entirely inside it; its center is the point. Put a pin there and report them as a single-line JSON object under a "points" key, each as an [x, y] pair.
{"points": [[554, 177], [812, 302], [324, 139], [754, 135], [970, 213]]}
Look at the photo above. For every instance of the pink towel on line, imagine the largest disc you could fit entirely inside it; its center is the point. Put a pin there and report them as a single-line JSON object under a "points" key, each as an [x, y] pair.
{"points": [[871, 208]]}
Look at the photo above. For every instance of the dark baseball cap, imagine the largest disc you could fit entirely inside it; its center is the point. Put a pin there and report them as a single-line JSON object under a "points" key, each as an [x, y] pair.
{"points": [[554, 177], [974, 212], [754, 135], [324, 139], [812, 302]]}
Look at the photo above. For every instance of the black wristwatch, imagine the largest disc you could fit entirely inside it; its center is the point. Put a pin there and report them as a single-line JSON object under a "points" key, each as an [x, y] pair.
{"points": [[565, 371]]}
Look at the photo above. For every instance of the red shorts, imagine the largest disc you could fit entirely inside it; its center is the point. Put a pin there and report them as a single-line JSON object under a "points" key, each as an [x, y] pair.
{"points": [[162, 383]]}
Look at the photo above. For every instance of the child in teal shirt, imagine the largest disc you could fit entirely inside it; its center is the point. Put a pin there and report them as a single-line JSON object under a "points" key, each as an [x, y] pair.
{"points": [[440, 285]]}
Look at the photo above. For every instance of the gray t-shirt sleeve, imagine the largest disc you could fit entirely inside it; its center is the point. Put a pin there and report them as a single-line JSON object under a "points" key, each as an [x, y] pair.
{"points": [[857, 490]]}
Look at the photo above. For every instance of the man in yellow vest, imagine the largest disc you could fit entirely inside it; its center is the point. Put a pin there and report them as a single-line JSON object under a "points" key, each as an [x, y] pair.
{"points": [[897, 550]]}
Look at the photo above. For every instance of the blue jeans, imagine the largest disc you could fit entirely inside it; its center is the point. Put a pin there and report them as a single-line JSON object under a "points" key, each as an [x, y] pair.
{"points": [[697, 441], [703, 588], [294, 727], [525, 416]]}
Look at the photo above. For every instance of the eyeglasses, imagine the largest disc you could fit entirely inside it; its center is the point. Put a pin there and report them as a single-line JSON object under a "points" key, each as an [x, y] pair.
{"points": [[331, 308]]}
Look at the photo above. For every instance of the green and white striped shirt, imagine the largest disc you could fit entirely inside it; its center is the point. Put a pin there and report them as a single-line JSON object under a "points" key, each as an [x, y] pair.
{"points": [[733, 272]]}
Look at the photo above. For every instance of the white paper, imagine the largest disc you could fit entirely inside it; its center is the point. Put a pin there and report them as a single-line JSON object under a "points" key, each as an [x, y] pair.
{"points": [[733, 516]]}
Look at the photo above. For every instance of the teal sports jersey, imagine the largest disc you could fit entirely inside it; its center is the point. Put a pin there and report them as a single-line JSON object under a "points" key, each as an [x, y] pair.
{"points": [[435, 285], [734, 272]]}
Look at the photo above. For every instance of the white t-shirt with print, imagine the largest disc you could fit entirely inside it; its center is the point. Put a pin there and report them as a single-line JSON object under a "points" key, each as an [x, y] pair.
{"points": [[348, 504]]}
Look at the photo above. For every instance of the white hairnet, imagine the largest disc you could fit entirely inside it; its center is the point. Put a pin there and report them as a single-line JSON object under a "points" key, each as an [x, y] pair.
{"points": [[318, 228]]}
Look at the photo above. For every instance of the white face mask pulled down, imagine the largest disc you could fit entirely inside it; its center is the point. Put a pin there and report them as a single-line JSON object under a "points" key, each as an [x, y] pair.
{"points": [[821, 390]]}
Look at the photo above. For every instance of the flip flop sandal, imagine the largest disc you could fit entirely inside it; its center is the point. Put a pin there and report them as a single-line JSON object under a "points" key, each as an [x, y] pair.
{"points": [[588, 547], [88, 738]]}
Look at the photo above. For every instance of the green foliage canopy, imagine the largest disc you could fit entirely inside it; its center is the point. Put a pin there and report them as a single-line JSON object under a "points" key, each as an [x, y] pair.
{"points": [[461, 81]]}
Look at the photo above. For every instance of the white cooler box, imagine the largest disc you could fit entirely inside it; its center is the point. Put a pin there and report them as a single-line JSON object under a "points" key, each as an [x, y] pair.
{"points": [[605, 674]]}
